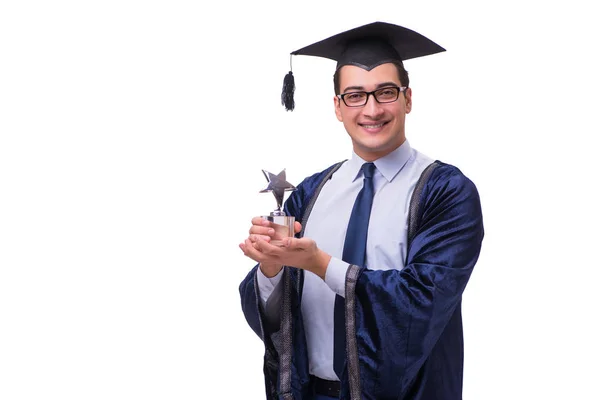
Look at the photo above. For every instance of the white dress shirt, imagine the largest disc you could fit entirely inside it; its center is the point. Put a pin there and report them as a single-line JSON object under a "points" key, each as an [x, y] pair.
{"points": [[395, 178]]}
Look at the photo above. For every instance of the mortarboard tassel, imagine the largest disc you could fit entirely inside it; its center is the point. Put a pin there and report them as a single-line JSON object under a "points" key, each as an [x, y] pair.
{"points": [[287, 94]]}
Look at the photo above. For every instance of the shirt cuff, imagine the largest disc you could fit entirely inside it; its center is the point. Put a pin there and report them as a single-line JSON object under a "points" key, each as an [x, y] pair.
{"points": [[335, 276], [266, 285]]}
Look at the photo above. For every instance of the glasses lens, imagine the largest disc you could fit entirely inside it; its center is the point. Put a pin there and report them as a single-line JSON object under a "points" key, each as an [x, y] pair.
{"points": [[387, 95], [355, 99]]}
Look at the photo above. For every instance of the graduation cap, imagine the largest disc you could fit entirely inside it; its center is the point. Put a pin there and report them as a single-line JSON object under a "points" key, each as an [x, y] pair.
{"points": [[367, 47]]}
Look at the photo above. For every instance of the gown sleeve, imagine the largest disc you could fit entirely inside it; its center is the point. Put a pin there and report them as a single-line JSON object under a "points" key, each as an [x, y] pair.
{"points": [[401, 314]]}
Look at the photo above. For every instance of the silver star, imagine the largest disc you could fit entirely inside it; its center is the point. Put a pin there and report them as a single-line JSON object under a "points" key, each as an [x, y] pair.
{"points": [[277, 185]]}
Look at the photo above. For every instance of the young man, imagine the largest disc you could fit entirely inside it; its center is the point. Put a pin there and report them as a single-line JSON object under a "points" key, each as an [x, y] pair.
{"points": [[368, 303]]}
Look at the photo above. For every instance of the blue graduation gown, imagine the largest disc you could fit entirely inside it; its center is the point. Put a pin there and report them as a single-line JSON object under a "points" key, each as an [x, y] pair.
{"points": [[403, 327]]}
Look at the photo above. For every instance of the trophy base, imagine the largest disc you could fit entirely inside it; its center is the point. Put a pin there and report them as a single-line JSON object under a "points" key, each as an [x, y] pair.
{"points": [[283, 225]]}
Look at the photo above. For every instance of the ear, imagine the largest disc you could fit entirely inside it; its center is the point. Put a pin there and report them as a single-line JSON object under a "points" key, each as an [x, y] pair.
{"points": [[336, 105], [408, 100]]}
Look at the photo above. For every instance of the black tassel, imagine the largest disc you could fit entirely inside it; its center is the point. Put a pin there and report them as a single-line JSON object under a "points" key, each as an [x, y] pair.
{"points": [[287, 94]]}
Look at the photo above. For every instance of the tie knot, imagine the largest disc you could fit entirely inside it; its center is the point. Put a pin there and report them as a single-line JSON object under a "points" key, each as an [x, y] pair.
{"points": [[368, 170]]}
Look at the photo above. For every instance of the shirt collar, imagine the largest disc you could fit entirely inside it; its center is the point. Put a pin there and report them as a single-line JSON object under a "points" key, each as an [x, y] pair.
{"points": [[388, 165]]}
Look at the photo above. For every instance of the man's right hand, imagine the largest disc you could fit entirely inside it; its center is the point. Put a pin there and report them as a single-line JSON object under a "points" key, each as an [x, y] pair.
{"points": [[262, 229]]}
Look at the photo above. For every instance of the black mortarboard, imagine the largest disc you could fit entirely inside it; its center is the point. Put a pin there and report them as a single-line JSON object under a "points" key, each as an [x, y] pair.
{"points": [[366, 47]]}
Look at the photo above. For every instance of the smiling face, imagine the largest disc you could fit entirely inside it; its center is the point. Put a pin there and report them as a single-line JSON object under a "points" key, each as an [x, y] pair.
{"points": [[376, 129]]}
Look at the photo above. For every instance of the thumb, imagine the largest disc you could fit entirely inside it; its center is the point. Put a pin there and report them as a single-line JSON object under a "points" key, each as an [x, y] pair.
{"points": [[296, 244], [288, 242]]}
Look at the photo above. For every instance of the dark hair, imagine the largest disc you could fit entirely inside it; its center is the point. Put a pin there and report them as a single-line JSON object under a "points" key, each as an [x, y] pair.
{"points": [[402, 75]]}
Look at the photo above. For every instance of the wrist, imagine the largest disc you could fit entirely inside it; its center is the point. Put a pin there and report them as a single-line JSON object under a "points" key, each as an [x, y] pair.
{"points": [[321, 263], [270, 270]]}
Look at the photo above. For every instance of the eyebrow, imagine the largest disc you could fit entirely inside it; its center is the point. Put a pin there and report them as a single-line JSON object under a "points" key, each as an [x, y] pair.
{"points": [[361, 88]]}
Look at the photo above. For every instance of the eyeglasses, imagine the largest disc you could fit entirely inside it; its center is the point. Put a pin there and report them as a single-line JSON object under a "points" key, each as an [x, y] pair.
{"points": [[384, 95]]}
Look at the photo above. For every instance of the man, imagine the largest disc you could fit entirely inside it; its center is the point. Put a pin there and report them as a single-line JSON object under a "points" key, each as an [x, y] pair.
{"points": [[368, 303]]}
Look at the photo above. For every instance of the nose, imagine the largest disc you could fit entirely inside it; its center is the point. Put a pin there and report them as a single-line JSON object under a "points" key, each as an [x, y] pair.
{"points": [[372, 109]]}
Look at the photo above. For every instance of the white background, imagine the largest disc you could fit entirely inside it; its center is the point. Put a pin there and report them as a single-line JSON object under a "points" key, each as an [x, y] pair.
{"points": [[132, 135]]}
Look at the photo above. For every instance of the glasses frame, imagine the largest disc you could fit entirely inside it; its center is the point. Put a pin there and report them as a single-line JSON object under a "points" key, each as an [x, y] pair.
{"points": [[401, 89]]}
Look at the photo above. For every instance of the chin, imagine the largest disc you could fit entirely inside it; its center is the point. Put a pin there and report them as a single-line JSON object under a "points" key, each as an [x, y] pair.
{"points": [[376, 146]]}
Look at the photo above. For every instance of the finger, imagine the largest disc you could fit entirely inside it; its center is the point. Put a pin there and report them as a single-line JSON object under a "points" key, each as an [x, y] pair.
{"points": [[246, 248], [297, 226], [260, 221], [251, 252], [267, 248], [256, 238], [296, 244], [261, 230]]}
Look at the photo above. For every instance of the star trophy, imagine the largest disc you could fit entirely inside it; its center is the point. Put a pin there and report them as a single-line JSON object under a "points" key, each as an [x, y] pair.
{"points": [[282, 224]]}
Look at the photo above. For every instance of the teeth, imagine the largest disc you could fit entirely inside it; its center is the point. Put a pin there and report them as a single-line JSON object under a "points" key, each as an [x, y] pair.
{"points": [[373, 126]]}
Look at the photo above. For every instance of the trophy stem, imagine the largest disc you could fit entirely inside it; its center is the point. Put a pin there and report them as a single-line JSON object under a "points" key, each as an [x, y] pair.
{"points": [[278, 212]]}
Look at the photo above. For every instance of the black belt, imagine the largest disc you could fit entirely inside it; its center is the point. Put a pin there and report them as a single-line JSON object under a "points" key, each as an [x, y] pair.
{"points": [[325, 387]]}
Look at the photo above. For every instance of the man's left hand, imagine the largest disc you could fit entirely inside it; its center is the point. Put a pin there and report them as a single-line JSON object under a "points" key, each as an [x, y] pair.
{"points": [[300, 253]]}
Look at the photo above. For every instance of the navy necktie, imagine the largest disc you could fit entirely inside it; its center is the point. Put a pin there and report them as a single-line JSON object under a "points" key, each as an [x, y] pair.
{"points": [[354, 253]]}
